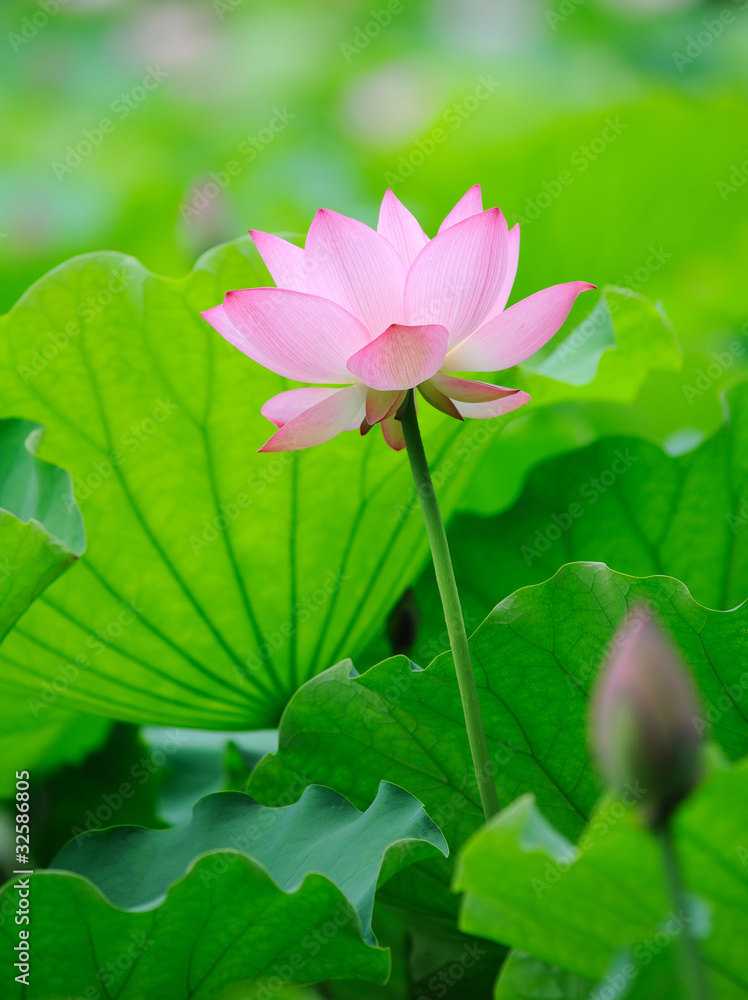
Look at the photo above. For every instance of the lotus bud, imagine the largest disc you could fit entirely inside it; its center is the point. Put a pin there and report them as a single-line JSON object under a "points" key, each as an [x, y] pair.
{"points": [[647, 719]]}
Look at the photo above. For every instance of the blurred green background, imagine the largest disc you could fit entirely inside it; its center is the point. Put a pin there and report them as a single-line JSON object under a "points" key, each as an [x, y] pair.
{"points": [[615, 131]]}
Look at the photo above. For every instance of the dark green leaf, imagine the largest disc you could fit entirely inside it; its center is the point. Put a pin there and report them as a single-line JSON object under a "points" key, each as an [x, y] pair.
{"points": [[535, 658], [620, 500], [240, 896], [216, 579], [576, 906]]}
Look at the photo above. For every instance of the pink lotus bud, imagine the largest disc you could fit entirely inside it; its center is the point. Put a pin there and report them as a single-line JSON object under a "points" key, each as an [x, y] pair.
{"points": [[646, 718]]}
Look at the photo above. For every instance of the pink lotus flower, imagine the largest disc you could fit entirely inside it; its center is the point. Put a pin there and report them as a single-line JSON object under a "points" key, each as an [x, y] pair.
{"points": [[387, 311]]}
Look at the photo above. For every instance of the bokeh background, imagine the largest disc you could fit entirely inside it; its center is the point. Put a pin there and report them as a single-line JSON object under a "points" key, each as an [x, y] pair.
{"points": [[615, 131]]}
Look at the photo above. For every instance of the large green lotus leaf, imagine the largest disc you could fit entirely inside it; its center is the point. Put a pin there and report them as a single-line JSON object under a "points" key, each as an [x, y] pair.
{"points": [[623, 501], [241, 895], [575, 907], [535, 658], [41, 530], [321, 832], [216, 580]]}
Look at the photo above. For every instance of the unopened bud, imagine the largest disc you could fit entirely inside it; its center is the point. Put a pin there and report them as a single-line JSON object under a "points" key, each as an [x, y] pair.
{"points": [[647, 719]]}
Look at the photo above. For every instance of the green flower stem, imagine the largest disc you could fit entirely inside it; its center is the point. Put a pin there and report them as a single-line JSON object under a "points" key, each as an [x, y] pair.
{"points": [[692, 969], [445, 578]]}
